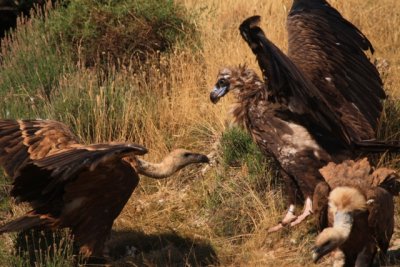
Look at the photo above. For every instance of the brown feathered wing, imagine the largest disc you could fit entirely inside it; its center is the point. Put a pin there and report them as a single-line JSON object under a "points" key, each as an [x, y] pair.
{"points": [[313, 82], [25, 140], [330, 51], [288, 85], [76, 186]]}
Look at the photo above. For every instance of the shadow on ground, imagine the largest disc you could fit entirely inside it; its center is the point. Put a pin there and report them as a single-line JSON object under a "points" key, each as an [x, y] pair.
{"points": [[135, 248], [126, 249]]}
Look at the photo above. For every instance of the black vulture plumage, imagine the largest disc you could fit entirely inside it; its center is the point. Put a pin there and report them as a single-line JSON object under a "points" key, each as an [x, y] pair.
{"points": [[320, 103]]}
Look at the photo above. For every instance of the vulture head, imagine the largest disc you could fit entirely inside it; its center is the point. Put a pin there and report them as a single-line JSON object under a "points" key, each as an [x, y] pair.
{"points": [[180, 158], [343, 203], [236, 79], [173, 162]]}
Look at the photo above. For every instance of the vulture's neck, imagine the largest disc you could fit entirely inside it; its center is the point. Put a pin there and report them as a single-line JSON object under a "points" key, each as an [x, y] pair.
{"points": [[249, 92], [157, 170]]}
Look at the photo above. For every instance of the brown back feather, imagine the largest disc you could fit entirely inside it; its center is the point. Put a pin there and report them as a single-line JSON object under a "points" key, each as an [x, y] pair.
{"points": [[25, 140], [358, 174]]}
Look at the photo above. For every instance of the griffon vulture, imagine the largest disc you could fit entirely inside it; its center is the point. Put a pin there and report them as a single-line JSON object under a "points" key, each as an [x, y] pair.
{"points": [[82, 187], [360, 212], [320, 103]]}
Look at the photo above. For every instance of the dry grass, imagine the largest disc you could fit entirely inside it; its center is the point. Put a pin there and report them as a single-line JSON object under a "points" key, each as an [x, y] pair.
{"points": [[222, 45], [180, 221]]}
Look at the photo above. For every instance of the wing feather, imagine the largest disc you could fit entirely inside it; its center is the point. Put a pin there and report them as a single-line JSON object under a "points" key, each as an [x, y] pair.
{"points": [[330, 51], [69, 163], [327, 79], [83, 187], [87, 204], [289, 86], [22, 141]]}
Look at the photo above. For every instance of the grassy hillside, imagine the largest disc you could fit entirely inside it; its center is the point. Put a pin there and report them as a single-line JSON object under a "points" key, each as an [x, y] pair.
{"points": [[160, 98]]}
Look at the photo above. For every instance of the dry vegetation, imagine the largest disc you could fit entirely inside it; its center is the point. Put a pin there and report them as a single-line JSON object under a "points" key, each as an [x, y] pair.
{"points": [[221, 217]]}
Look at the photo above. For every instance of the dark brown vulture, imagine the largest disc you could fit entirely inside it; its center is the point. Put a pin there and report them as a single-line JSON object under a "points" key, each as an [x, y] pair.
{"points": [[320, 103], [360, 213], [82, 187]]}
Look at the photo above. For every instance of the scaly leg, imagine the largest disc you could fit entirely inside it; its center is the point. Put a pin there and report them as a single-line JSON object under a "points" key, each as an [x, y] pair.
{"points": [[306, 212], [289, 217]]}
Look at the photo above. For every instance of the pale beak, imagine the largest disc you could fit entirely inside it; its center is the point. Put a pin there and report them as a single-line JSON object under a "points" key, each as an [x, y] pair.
{"points": [[217, 93], [202, 158]]}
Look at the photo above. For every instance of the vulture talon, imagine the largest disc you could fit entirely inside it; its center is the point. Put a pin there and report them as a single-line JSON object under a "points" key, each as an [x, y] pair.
{"points": [[290, 217], [276, 228], [300, 218], [307, 212]]}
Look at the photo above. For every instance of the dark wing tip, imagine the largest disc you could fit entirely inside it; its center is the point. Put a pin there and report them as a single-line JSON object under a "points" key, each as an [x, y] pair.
{"points": [[139, 150], [249, 23]]}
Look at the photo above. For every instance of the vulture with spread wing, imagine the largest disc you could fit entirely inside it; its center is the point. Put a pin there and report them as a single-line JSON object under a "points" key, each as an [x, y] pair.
{"points": [[68, 184], [359, 209], [319, 103]]}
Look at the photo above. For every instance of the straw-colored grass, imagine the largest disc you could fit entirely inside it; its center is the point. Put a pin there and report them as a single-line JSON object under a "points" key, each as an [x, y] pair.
{"points": [[221, 217]]}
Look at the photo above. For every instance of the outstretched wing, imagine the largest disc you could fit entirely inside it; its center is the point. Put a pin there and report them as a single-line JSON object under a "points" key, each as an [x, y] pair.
{"points": [[22, 141], [288, 85], [50, 173], [88, 201], [330, 51]]}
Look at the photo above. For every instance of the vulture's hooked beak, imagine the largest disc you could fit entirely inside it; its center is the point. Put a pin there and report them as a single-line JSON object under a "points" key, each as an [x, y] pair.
{"points": [[218, 92], [202, 158], [197, 158]]}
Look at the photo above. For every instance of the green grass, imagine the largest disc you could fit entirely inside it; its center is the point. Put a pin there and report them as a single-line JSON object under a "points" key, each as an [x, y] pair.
{"points": [[240, 186], [44, 248], [239, 149]]}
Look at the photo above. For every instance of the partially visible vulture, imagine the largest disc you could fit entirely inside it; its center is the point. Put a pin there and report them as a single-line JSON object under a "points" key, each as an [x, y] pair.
{"points": [[360, 212], [320, 103], [68, 184]]}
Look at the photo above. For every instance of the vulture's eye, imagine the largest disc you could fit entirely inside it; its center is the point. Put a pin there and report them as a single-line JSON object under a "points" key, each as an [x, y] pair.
{"points": [[186, 155], [221, 82]]}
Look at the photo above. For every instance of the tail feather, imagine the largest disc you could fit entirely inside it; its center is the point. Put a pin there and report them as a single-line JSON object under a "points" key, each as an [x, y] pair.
{"points": [[374, 146], [23, 223]]}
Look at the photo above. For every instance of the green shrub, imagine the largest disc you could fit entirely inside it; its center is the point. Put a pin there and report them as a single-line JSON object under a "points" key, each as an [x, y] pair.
{"points": [[121, 29], [31, 66], [238, 148]]}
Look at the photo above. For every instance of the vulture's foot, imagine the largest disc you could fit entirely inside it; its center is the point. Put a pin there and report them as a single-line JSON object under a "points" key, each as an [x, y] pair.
{"points": [[306, 212], [289, 217], [275, 228]]}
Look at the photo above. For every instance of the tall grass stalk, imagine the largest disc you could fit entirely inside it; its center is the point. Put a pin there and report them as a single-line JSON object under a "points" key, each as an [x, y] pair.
{"points": [[164, 104]]}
